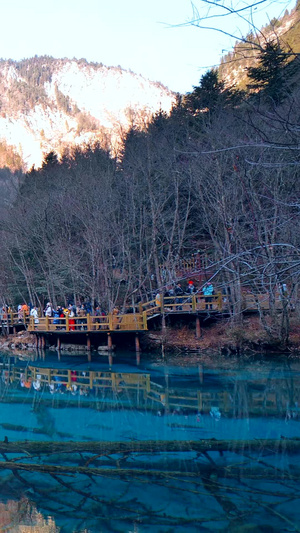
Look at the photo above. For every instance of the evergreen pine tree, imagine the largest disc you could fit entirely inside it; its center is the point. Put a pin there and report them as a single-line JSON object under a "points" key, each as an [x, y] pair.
{"points": [[211, 95], [269, 75]]}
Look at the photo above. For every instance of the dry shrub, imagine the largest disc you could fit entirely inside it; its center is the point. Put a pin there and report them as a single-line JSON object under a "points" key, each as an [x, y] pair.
{"points": [[22, 517]]}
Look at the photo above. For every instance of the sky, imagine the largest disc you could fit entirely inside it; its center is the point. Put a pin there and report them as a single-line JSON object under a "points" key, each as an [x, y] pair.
{"points": [[152, 38]]}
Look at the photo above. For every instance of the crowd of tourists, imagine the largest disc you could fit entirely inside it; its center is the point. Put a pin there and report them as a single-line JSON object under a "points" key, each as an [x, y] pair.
{"points": [[72, 310], [56, 312], [177, 290], [174, 292]]}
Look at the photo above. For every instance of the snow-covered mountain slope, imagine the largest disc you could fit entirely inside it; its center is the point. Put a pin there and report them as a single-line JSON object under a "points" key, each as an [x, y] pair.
{"points": [[50, 104]]}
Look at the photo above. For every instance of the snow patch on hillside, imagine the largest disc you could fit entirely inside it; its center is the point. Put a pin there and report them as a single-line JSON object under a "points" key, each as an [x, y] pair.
{"points": [[109, 97]]}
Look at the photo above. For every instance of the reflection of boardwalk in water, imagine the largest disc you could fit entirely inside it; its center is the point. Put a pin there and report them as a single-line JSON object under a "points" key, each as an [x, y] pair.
{"points": [[235, 398]]}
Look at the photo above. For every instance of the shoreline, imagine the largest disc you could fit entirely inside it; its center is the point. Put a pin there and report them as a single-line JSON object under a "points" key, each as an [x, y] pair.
{"points": [[216, 339]]}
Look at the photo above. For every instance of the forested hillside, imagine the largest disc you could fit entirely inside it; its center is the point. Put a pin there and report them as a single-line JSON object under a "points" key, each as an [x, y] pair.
{"points": [[284, 31], [218, 175]]}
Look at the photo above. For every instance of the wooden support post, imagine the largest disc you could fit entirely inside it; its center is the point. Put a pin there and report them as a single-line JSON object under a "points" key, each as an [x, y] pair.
{"points": [[109, 341], [137, 343], [198, 328], [145, 325], [88, 322], [43, 342], [138, 358], [137, 349], [91, 375], [110, 359], [89, 346], [166, 401], [37, 342], [194, 303], [88, 343], [200, 402], [14, 330], [58, 346], [200, 370]]}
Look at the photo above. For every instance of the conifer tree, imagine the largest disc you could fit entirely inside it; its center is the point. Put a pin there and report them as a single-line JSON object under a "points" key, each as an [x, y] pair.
{"points": [[270, 75], [207, 95], [211, 95]]}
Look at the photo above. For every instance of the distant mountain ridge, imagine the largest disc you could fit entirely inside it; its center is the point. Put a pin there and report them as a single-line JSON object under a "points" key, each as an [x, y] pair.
{"points": [[51, 104]]}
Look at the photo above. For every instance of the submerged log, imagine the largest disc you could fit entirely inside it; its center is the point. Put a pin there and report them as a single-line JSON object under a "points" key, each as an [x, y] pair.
{"points": [[220, 472], [23, 429], [151, 446]]}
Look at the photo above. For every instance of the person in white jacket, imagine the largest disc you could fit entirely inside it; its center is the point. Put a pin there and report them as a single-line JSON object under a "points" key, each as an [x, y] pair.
{"points": [[34, 313]]}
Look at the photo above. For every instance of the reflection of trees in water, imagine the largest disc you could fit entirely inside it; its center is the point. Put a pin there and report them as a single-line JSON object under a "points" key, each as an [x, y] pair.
{"points": [[282, 390], [159, 483], [240, 400]]}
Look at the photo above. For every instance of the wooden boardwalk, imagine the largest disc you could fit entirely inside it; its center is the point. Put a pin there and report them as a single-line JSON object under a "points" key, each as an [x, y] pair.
{"points": [[196, 305], [74, 330]]}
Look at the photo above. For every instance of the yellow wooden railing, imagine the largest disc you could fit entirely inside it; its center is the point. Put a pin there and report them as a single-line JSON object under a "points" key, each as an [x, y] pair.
{"points": [[138, 321], [185, 303], [12, 318], [89, 323]]}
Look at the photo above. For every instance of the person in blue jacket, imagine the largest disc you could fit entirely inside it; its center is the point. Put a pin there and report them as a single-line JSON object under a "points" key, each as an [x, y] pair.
{"points": [[208, 291]]}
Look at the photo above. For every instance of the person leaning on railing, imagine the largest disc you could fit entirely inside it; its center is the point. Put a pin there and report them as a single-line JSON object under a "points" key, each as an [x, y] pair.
{"points": [[178, 292], [115, 318], [34, 314], [208, 291], [191, 290], [82, 314]]}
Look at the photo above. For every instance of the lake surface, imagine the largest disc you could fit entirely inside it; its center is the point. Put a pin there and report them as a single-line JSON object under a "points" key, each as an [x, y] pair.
{"points": [[185, 443]]}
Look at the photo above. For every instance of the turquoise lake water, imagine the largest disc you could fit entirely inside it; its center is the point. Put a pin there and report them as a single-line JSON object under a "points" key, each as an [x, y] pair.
{"points": [[185, 399]]}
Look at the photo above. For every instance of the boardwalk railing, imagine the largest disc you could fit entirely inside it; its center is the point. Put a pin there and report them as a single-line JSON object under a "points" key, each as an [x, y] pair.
{"points": [[138, 321], [183, 304], [111, 322], [12, 318]]}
